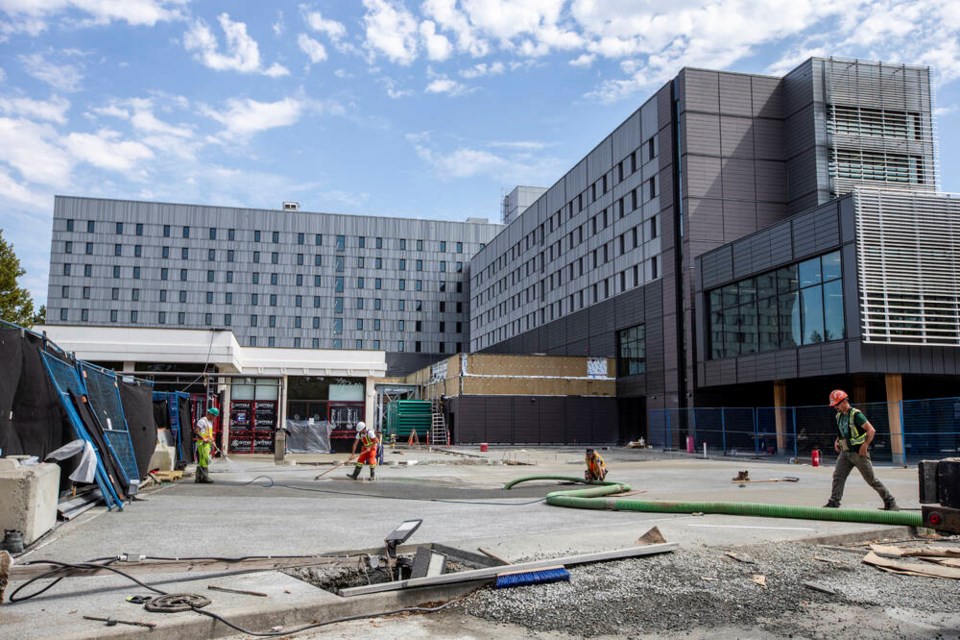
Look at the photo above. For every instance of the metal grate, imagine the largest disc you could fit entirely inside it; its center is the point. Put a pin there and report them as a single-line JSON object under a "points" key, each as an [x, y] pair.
{"points": [[908, 266], [104, 396]]}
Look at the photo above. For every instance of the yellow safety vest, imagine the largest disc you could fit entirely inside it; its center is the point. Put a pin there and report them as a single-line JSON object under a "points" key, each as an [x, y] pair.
{"points": [[855, 437]]}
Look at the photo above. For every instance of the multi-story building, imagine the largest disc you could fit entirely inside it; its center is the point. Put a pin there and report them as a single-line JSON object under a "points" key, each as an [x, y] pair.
{"points": [[605, 262], [275, 278]]}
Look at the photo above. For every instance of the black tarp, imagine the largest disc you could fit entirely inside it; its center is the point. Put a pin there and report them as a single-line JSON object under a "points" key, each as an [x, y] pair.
{"points": [[11, 357], [95, 430], [137, 401], [39, 424], [186, 430]]}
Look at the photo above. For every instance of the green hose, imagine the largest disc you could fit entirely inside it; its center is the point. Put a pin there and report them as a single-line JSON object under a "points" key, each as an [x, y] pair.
{"points": [[589, 498]]}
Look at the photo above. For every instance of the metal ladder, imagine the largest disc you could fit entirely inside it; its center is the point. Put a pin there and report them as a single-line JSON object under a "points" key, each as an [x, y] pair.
{"points": [[438, 426]]}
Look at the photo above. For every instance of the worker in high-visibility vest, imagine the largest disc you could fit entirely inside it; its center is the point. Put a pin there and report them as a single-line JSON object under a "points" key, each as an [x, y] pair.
{"points": [[369, 443], [854, 435], [596, 467], [204, 434]]}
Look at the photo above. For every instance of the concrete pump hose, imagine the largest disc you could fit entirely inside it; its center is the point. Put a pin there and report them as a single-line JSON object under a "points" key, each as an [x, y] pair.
{"points": [[593, 498]]}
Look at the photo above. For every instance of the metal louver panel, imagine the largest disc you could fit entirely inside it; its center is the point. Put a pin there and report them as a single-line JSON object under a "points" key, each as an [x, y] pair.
{"points": [[908, 265]]}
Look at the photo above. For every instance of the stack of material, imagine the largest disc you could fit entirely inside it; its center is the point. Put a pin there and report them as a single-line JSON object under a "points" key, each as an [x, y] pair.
{"points": [[927, 561]]}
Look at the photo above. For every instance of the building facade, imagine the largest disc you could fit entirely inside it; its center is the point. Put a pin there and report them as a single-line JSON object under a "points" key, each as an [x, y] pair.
{"points": [[274, 278], [604, 263]]}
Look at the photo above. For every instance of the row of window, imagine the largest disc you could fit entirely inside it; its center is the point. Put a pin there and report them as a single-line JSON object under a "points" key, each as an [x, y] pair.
{"points": [[597, 292], [340, 241], [796, 305]]}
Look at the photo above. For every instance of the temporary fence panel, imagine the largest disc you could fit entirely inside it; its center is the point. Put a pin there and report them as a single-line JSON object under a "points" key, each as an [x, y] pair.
{"points": [[66, 379], [308, 436], [931, 429], [104, 396]]}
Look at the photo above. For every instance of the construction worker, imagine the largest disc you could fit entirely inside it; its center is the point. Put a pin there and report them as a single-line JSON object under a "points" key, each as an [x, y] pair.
{"points": [[855, 433], [204, 433], [370, 443], [596, 467]]}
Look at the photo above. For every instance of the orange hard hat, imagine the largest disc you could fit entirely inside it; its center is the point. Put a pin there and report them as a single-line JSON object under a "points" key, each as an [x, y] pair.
{"points": [[837, 396]]}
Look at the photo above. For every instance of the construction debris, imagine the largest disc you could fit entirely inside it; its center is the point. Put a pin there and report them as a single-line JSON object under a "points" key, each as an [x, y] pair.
{"points": [[744, 477], [212, 587], [760, 580], [919, 568], [741, 558], [653, 536]]}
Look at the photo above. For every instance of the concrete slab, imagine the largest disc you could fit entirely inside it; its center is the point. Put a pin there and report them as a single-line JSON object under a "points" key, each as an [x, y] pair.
{"points": [[258, 508]]}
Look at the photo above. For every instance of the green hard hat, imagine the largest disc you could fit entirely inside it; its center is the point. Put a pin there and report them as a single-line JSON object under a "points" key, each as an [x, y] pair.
{"points": [[213, 411]]}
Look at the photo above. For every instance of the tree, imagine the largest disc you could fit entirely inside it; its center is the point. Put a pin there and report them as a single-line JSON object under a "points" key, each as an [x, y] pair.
{"points": [[16, 305]]}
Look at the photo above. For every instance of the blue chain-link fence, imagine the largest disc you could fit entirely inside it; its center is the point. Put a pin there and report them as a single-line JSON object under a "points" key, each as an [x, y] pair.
{"points": [[930, 430]]}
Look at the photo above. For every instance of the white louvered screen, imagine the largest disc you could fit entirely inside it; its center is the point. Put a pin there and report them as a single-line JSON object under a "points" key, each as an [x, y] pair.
{"points": [[908, 265]]}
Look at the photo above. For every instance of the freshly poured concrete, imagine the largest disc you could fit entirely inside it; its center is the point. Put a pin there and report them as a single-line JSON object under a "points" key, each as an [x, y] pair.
{"points": [[461, 505]]}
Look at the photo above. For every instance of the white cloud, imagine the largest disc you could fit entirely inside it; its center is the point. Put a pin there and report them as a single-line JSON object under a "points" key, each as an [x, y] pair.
{"points": [[443, 84], [483, 69], [245, 117], [33, 150], [516, 163], [391, 30], [437, 45], [278, 26], [53, 110], [105, 149], [58, 74], [30, 14], [393, 91], [12, 190], [314, 50], [583, 60], [331, 28], [3, 74], [242, 53]]}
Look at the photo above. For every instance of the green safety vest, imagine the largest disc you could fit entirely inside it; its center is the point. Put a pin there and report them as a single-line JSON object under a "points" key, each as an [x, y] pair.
{"points": [[855, 438]]}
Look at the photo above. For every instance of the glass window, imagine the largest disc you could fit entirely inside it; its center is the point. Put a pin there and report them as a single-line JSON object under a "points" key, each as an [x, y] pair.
{"points": [[164, 273], [274, 258], [117, 249], [186, 232], [767, 324], [301, 238], [256, 236], [812, 300], [213, 233], [163, 295], [338, 284], [183, 296], [339, 266], [379, 243], [831, 266], [69, 228], [419, 248], [809, 272], [341, 243], [789, 320], [276, 237], [443, 245], [166, 231], [90, 226], [184, 253], [165, 252], [362, 242], [231, 234], [787, 279], [338, 305], [318, 239], [459, 247], [403, 244], [273, 278], [337, 326], [833, 325], [632, 353], [138, 250], [211, 255]]}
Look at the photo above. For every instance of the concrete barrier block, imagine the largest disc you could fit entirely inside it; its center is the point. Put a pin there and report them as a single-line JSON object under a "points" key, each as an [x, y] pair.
{"points": [[28, 498], [163, 458]]}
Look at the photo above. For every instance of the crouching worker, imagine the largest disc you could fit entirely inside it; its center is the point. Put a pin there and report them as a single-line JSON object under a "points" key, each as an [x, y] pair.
{"points": [[369, 445], [596, 467], [204, 432]]}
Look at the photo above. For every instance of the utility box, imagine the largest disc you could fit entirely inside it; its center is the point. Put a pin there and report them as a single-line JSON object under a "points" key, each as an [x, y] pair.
{"points": [[28, 497]]}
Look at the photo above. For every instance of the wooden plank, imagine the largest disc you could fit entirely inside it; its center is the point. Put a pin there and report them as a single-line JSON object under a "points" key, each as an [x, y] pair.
{"points": [[491, 572], [906, 552], [913, 568]]}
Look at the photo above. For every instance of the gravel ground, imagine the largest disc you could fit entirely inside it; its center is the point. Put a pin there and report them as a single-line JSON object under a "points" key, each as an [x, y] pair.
{"points": [[702, 592]]}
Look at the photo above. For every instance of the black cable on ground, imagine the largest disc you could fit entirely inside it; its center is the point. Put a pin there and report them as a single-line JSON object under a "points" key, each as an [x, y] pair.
{"points": [[266, 634]]}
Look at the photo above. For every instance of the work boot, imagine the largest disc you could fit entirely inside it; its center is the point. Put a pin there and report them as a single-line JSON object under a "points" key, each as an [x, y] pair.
{"points": [[355, 474], [372, 474], [831, 505], [890, 505], [204, 476]]}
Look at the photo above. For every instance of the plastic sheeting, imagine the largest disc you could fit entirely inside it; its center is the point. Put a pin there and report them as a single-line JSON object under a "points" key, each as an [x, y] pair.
{"points": [[87, 468], [305, 436]]}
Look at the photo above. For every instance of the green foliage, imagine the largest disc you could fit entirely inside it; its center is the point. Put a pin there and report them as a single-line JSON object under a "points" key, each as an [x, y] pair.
{"points": [[16, 305]]}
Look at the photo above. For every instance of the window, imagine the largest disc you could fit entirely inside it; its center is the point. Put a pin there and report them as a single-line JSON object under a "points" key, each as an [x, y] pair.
{"points": [[209, 297], [359, 324], [228, 297], [459, 247], [66, 269], [419, 245], [183, 297], [231, 255], [337, 326], [316, 281], [181, 317], [116, 270], [318, 239], [136, 273], [276, 237], [256, 257], [359, 303], [231, 234], [211, 275], [298, 322], [69, 228], [379, 243], [89, 249], [138, 250], [338, 284], [377, 304], [403, 244], [254, 299], [419, 265], [117, 249], [85, 293], [186, 232], [208, 319], [796, 305], [273, 299], [632, 352], [166, 231], [227, 319], [273, 278], [378, 283], [68, 247], [378, 263], [301, 238], [338, 305], [256, 236], [133, 317], [443, 265], [360, 283], [317, 260], [184, 253], [362, 242], [253, 321], [272, 321], [163, 295], [443, 245], [339, 264], [165, 252], [299, 259], [164, 273], [212, 233], [274, 258], [341, 243], [229, 277], [316, 323], [211, 255], [403, 264], [90, 226], [299, 280]]}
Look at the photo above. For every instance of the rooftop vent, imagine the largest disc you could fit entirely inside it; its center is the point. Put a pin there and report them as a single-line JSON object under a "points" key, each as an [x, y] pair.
{"points": [[291, 206]]}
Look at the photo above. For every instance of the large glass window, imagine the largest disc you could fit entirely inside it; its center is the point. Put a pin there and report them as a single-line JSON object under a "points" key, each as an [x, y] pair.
{"points": [[633, 351], [796, 305]]}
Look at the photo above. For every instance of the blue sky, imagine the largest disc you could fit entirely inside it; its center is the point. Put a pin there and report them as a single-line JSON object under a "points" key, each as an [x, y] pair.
{"points": [[427, 109]]}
